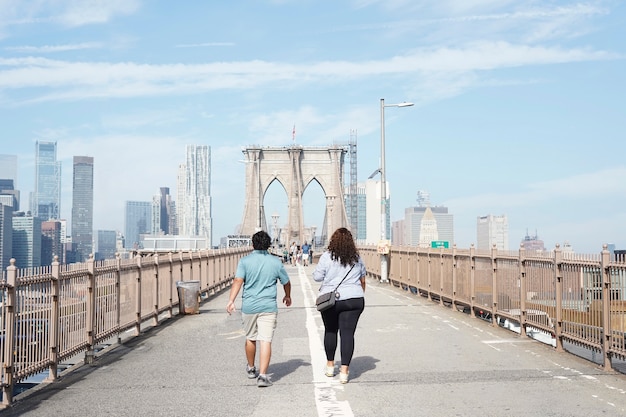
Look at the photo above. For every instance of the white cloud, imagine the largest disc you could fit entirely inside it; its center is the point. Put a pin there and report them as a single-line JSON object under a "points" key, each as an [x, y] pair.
{"points": [[54, 48], [82, 12], [544, 20], [64, 80]]}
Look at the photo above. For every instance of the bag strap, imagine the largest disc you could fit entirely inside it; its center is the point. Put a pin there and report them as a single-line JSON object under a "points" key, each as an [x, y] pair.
{"points": [[341, 282]]}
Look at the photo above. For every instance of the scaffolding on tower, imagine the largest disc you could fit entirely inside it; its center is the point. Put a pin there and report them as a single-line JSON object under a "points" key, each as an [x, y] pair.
{"points": [[353, 215]]}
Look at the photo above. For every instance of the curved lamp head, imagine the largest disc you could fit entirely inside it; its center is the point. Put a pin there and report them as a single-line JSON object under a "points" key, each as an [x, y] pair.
{"points": [[404, 104]]}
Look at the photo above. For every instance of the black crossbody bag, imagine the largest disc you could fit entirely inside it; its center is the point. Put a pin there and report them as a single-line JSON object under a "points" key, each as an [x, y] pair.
{"points": [[326, 301]]}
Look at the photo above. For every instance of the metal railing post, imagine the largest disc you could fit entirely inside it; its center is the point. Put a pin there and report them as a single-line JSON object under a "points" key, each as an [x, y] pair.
{"points": [[606, 308], [430, 274], [54, 321], [558, 277], [91, 311], [118, 292], [9, 332], [170, 283], [454, 275], [138, 297], [415, 268], [522, 291], [472, 259], [494, 284], [155, 294], [441, 290]]}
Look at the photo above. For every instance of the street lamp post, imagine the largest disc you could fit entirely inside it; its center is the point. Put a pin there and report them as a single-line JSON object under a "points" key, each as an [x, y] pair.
{"points": [[383, 245]]}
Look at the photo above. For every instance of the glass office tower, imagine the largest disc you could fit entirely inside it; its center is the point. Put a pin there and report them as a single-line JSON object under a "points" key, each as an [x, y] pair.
{"points": [[138, 219], [46, 203], [82, 207], [26, 241]]}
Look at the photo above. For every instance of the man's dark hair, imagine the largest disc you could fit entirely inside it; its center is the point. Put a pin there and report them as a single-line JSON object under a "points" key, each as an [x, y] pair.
{"points": [[261, 240]]}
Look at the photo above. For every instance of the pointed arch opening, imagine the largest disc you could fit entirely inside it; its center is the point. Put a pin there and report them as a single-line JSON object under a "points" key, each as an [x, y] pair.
{"points": [[276, 209], [314, 211]]}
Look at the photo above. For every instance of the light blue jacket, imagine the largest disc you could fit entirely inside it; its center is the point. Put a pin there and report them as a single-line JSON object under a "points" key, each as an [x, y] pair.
{"points": [[330, 272]]}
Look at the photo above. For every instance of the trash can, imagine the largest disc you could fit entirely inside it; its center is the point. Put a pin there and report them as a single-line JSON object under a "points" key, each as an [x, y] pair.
{"points": [[188, 297]]}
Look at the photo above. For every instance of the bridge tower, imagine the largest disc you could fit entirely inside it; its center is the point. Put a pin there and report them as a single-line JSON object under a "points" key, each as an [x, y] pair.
{"points": [[294, 167]]}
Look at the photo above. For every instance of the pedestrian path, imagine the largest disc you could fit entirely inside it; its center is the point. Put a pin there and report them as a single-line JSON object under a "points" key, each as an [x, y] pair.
{"points": [[412, 358]]}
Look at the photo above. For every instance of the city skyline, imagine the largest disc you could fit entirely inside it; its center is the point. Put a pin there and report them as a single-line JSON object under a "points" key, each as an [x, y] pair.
{"points": [[517, 106]]}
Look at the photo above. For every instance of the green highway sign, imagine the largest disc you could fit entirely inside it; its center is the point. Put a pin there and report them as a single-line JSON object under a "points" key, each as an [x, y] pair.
{"points": [[439, 244]]}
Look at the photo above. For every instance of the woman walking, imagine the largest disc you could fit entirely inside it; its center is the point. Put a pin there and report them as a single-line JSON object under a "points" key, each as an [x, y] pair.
{"points": [[341, 267]]}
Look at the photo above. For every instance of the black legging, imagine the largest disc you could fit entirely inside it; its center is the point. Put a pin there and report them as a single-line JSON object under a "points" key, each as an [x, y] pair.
{"points": [[342, 318]]}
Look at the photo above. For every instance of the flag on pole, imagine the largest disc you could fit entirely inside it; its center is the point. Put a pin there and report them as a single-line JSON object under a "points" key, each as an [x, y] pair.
{"points": [[293, 133]]}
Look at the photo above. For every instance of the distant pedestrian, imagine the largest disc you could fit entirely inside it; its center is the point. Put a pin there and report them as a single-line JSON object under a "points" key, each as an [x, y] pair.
{"points": [[305, 253], [258, 274], [293, 251], [285, 255], [341, 262]]}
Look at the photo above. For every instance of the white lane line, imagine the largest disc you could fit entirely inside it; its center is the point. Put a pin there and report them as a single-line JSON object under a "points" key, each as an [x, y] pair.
{"points": [[325, 388], [450, 324], [512, 341]]}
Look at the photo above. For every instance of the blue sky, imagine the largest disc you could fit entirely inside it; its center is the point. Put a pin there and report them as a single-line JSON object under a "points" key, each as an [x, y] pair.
{"points": [[519, 105]]}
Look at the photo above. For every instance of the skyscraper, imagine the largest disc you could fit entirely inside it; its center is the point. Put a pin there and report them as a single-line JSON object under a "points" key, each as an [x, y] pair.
{"points": [[51, 245], [106, 244], [194, 193], [443, 220], [82, 207], [373, 222], [492, 230], [8, 190], [361, 212], [6, 236], [163, 213], [27, 241], [428, 229], [46, 202], [138, 220], [533, 243]]}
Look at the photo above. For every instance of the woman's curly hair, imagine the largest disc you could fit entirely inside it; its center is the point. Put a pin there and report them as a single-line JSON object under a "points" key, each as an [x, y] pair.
{"points": [[342, 247]]}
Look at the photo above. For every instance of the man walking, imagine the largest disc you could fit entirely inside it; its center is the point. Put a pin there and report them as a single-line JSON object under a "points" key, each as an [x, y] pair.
{"points": [[305, 254], [259, 273], [294, 253]]}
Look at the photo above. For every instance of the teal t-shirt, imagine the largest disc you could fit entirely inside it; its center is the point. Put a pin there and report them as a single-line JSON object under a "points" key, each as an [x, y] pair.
{"points": [[260, 271]]}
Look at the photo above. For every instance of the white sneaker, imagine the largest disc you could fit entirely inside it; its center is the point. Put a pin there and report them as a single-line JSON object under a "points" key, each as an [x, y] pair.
{"points": [[343, 378]]}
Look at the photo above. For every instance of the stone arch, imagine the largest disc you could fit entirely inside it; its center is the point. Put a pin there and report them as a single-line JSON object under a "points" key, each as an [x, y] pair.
{"points": [[294, 167], [314, 231]]}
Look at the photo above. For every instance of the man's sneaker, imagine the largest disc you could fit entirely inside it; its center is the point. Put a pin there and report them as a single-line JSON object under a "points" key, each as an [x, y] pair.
{"points": [[251, 371], [263, 381]]}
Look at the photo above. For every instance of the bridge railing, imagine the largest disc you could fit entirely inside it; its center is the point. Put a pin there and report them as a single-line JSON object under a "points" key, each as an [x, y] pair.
{"points": [[570, 297], [53, 313]]}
